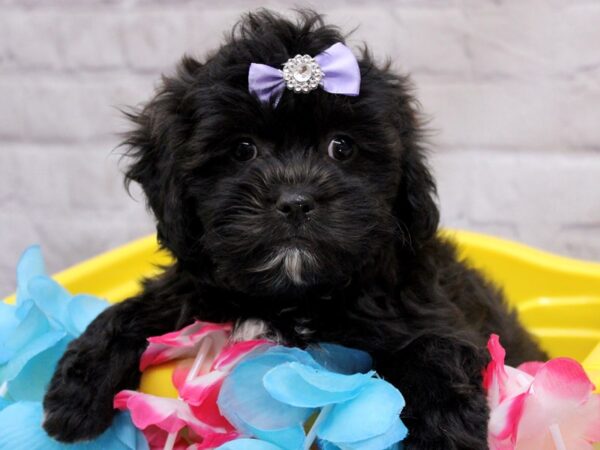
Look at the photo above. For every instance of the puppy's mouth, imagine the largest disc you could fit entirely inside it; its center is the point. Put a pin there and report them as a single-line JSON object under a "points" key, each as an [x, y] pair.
{"points": [[294, 262]]}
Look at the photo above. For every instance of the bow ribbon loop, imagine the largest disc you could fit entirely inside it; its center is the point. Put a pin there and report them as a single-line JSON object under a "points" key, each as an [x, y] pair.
{"points": [[335, 70]]}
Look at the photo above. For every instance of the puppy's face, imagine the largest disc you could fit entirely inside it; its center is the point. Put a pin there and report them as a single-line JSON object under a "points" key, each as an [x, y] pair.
{"points": [[295, 196], [278, 199]]}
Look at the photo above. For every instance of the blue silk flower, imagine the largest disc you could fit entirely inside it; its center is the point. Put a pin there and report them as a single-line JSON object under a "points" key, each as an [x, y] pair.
{"points": [[34, 334], [290, 399]]}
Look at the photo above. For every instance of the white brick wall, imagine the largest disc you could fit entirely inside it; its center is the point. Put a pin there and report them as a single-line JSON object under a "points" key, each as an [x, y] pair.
{"points": [[512, 89]]}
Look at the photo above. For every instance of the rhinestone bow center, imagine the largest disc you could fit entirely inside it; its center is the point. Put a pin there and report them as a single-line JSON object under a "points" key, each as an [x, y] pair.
{"points": [[302, 74]]}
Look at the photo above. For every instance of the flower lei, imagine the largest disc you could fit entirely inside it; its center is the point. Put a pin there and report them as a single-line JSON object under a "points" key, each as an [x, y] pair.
{"points": [[257, 395], [233, 395]]}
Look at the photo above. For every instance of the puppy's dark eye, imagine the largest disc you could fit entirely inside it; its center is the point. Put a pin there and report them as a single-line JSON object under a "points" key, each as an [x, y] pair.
{"points": [[341, 148], [245, 151]]}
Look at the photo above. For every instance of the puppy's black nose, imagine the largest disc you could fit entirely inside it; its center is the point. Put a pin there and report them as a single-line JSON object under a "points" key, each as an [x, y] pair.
{"points": [[295, 205]]}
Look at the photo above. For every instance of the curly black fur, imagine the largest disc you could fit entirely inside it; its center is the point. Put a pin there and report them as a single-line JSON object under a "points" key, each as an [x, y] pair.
{"points": [[370, 270]]}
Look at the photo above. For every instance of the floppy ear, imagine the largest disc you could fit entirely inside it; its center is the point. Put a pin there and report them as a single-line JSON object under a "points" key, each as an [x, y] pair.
{"points": [[415, 206], [160, 130]]}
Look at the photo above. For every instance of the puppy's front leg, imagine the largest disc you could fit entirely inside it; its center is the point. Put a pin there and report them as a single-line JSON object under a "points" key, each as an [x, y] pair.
{"points": [[102, 361], [440, 378]]}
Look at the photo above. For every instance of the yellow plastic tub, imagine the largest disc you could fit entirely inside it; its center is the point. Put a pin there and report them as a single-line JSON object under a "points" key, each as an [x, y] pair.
{"points": [[558, 298]]}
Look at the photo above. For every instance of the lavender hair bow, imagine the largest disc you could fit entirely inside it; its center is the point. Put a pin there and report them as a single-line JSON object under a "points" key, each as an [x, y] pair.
{"points": [[335, 70]]}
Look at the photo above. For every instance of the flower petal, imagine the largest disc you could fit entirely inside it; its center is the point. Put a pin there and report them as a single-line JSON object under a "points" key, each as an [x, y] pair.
{"points": [[370, 414], [560, 397], [32, 324], [21, 430], [51, 298], [531, 367], [214, 441], [494, 375], [248, 444], [168, 414], [8, 324], [592, 427], [562, 378], [157, 439], [125, 432], [208, 411], [81, 311], [202, 392], [245, 402], [38, 344], [500, 381], [194, 391], [396, 433], [183, 343], [31, 381], [326, 445], [310, 387], [504, 419], [233, 354], [340, 359], [291, 438], [30, 265], [532, 406]]}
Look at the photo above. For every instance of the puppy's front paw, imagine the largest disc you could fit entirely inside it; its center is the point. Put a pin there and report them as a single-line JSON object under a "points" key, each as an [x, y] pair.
{"points": [[77, 407]]}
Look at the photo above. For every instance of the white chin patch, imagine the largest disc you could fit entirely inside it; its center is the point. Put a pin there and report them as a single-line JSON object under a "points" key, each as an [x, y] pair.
{"points": [[291, 261], [292, 264]]}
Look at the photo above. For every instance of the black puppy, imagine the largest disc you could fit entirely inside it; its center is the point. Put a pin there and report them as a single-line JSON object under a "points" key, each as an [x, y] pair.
{"points": [[316, 217]]}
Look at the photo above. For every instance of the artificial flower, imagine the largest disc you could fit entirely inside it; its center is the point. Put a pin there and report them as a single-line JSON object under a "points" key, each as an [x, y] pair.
{"points": [[196, 389], [21, 430], [546, 406], [272, 395], [205, 357], [160, 417], [186, 343], [249, 444], [33, 336], [35, 332]]}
